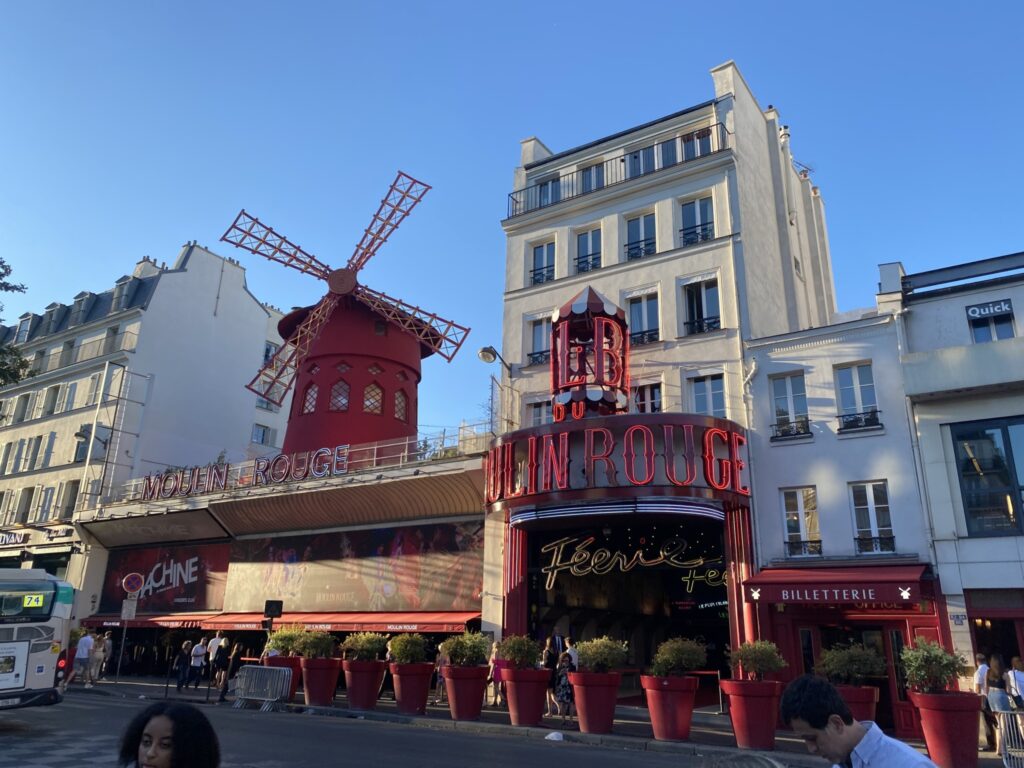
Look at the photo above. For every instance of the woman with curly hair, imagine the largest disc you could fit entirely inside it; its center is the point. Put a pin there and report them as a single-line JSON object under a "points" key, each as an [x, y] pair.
{"points": [[169, 735]]}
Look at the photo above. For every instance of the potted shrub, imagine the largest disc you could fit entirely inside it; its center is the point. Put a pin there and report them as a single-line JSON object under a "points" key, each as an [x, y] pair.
{"points": [[526, 686], [411, 672], [847, 667], [284, 641], [946, 715], [364, 670], [319, 668], [465, 677], [754, 701], [670, 692], [596, 690]]}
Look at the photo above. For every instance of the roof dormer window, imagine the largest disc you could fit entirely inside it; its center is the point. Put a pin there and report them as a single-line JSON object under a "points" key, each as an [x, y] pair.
{"points": [[24, 326], [122, 294]]}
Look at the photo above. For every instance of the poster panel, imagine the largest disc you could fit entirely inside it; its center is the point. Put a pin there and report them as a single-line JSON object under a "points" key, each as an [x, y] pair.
{"points": [[13, 661], [178, 578]]}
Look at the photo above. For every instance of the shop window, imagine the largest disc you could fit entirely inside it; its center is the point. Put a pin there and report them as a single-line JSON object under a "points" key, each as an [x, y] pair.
{"points": [[872, 518], [309, 398], [858, 409], [373, 399], [339, 396], [789, 399], [990, 466], [800, 508]]}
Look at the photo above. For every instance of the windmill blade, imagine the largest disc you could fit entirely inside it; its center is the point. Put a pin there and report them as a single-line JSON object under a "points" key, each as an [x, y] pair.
{"points": [[442, 336], [277, 376], [404, 195], [250, 234]]}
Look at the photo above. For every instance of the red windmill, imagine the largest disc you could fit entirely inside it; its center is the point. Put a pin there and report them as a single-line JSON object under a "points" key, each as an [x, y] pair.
{"points": [[354, 357]]}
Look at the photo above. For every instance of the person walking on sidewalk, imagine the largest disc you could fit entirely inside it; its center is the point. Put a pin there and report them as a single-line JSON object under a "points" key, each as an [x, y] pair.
{"points": [[182, 664], [81, 666], [108, 652], [981, 688], [195, 672], [219, 660], [813, 708], [97, 656], [234, 662]]}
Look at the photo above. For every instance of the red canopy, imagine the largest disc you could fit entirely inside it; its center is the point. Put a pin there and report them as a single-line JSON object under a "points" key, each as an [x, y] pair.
{"points": [[169, 621], [418, 621], [831, 586]]}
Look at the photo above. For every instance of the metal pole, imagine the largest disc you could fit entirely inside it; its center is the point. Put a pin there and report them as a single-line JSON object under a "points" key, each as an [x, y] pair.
{"points": [[124, 631]]}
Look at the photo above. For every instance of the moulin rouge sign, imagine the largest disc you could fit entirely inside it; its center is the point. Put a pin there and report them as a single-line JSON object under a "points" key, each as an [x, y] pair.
{"points": [[593, 447]]}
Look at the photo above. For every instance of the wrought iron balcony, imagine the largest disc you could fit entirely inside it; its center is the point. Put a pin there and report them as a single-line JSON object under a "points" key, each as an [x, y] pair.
{"points": [[697, 234], [788, 429], [640, 248], [638, 338], [867, 545], [638, 163], [542, 275], [539, 357], [69, 356], [703, 325], [804, 548], [588, 263], [848, 422]]}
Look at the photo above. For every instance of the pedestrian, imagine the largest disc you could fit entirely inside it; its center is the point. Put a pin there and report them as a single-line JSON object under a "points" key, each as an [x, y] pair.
{"points": [[195, 673], [183, 663], [494, 677], [108, 652], [440, 662], [549, 661], [211, 652], [81, 665], [219, 660], [169, 735], [563, 688], [1017, 679], [96, 658], [234, 662], [813, 708], [998, 696], [981, 688], [570, 648]]}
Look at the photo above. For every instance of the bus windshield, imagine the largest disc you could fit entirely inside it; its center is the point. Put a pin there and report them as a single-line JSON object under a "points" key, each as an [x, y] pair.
{"points": [[26, 601]]}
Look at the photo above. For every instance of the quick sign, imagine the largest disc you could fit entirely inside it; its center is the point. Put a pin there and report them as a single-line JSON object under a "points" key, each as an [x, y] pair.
{"points": [[991, 309]]}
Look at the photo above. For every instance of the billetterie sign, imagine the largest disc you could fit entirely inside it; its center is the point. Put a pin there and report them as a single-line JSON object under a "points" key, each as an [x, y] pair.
{"points": [[271, 470]]}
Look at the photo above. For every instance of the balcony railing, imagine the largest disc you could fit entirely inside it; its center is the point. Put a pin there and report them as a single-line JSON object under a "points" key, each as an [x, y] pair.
{"points": [[787, 430], [539, 357], [588, 263], [638, 163], [703, 325], [638, 338], [867, 545], [699, 233], [122, 342], [804, 548], [640, 248], [849, 422], [542, 275]]}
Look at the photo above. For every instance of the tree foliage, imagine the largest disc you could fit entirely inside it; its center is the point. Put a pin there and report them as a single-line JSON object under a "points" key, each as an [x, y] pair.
{"points": [[13, 367]]}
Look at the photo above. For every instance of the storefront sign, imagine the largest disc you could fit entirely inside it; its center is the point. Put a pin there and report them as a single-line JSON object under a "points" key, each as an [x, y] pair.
{"points": [[868, 596], [990, 309], [7, 539], [59, 533], [180, 578]]}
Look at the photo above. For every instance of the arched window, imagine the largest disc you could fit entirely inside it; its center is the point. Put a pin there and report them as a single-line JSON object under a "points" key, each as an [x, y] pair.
{"points": [[373, 399], [309, 399], [401, 406], [339, 396]]}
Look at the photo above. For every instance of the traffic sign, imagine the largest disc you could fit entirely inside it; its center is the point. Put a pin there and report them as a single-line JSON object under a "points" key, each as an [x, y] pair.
{"points": [[128, 609], [133, 582]]}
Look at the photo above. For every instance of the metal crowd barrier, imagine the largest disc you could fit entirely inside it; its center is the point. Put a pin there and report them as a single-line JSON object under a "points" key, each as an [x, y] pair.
{"points": [[268, 685], [1011, 727]]}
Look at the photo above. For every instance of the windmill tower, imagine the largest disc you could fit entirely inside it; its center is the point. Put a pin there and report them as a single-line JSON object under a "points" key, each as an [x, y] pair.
{"points": [[354, 356]]}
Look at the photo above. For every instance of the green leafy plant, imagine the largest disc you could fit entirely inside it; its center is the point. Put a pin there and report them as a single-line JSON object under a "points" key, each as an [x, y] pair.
{"points": [[76, 635], [851, 664], [677, 656], [930, 668], [364, 646], [470, 649], [285, 639], [315, 645], [408, 649], [757, 659], [602, 654], [519, 651]]}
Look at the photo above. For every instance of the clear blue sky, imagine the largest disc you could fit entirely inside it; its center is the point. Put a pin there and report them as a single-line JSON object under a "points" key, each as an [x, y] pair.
{"points": [[129, 128]]}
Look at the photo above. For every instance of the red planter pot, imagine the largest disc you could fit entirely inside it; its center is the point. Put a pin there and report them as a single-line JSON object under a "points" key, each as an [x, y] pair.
{"points": [[412, 686], [861, 699], [465, 687], [320, 681], [595, 694], [294, 663], [950, 725], [362, 682], [754, 710], [526, 690], [670, 702]]}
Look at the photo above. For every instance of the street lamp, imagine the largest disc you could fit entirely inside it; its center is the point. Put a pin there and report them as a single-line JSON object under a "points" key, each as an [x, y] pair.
{"points": [[84, 437], [489, 354]]}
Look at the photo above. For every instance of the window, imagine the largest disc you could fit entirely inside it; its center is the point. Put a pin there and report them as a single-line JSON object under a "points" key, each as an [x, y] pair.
{"points": [[591, 179], [647, 398], [122, 295], [94, 388], [261, 434], [5, 456], [373, 399], [990, 464], [640, 239], [543, 270], [343, 367], [375, 370], [588, 251], [32, 457], [871, 516], [21, 406], [309, 398], [25, 504], [69, 396], [67, 353], [21, 336], [110, 340], [984, 329], [539, 413], [45, 504], [698, 221], [857, 406], [339, 396], [69, 499], [703, 314], [50, 401], [640, 162], [541, 342], [549, 191], [78, 310], [696, 144], [265, 405], [643, 319], [709, 395], [789, 398], [269, 350], [401, 406], [667, 152], [800, 507]]}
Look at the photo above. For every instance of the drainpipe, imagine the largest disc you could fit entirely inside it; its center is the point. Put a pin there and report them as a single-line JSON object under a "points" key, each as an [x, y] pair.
{"points": [[751, 615]]}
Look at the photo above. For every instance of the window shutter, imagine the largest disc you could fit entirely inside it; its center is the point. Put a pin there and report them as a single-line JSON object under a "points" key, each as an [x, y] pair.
{"points": [[44, 461], [46, 504], [58, 406], [94, 384], [37, 503], [5, 411], [18, 453], [35, 406], [58, 498], [272, 437], [69, 396]]}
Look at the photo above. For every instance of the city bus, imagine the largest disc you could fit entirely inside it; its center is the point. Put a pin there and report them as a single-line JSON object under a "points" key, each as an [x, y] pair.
{"points": [[35, 624]]}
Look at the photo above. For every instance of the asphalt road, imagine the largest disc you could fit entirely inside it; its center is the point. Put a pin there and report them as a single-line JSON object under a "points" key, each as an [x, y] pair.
{"points": [[84, 730]]}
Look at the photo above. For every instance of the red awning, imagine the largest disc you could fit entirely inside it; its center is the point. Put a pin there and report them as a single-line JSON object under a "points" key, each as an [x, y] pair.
{"points": [[832, 586], [350, 622], [167, 621]]}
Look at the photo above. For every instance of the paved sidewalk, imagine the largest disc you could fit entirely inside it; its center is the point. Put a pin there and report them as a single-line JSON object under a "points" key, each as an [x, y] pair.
{"points": [[711, 735]]}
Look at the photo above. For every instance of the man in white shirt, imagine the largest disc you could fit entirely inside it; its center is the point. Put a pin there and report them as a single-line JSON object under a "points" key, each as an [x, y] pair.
{"points": [[570, 648], [981, 688], [1017, 681], [195, 672], [214, 645], [816, 712], [81, 665]]}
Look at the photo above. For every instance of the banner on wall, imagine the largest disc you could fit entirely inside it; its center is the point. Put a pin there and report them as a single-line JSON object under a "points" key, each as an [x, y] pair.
{"points": [[177, 578], [435, 567]]}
